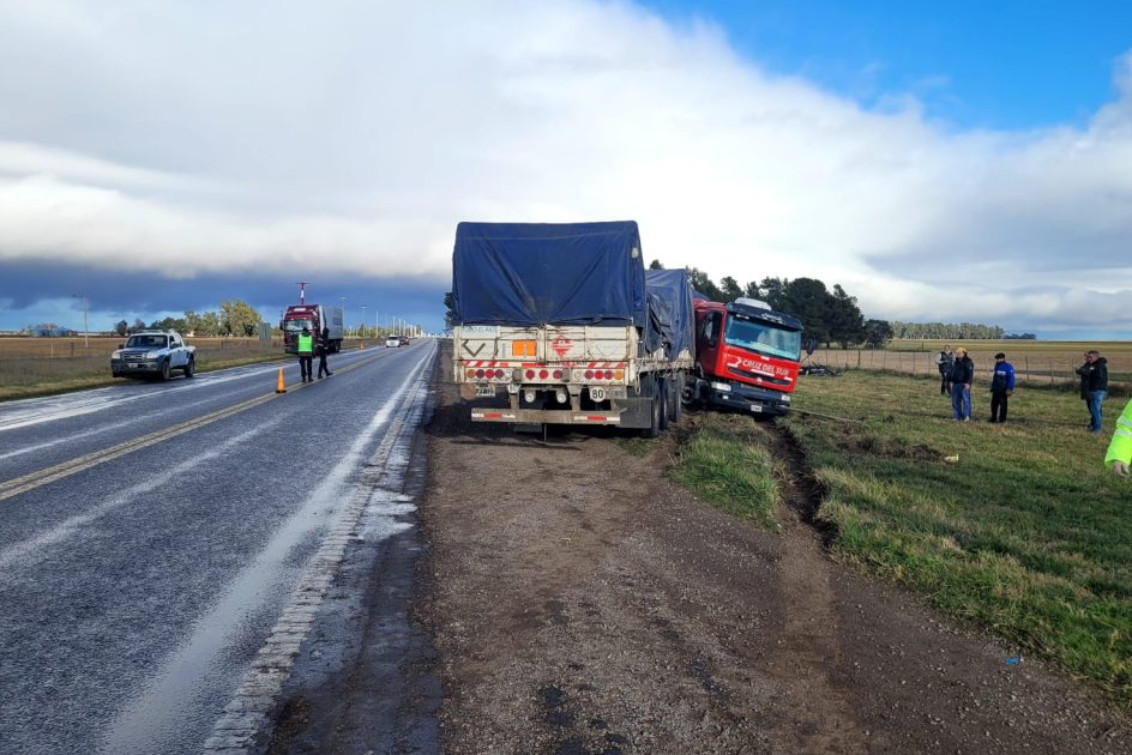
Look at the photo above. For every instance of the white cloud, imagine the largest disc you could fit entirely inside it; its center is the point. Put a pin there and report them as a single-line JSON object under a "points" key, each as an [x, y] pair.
{"points": [[212, 136]]}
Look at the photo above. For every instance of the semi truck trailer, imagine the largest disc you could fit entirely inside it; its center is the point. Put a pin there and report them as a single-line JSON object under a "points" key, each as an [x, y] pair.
{"points": [[315, 317], [555, 324]]}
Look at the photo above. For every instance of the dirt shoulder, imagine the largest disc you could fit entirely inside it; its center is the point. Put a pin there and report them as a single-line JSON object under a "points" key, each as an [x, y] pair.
{"points": [[583, 603]]}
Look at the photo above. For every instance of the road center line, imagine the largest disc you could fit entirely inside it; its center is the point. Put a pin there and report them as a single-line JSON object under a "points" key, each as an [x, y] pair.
{"points": [[14, 487]]}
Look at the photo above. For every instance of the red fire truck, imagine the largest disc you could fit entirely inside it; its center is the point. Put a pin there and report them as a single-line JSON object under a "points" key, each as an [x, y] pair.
{"points": [[747, 356]]}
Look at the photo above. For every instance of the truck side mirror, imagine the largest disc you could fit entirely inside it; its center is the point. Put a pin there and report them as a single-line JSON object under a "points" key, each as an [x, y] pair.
{"points": [[811, 344]]}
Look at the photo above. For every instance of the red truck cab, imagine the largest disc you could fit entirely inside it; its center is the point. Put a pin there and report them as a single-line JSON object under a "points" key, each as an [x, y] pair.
{"points": [[747, 356]]}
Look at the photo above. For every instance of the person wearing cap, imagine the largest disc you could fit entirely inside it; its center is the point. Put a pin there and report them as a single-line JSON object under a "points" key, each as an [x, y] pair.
{"points": [[1002, 385], [306, 354], [1119, 455], [962, 374], [944, 360]]}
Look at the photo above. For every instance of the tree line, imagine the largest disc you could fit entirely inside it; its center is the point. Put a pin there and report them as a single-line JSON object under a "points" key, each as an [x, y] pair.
{"points": [[234, 318], [960, 331], [829, 315]]}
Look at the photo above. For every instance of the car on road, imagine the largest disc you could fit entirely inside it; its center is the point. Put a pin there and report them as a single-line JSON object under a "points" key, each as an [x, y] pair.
{"points": [[153, 354], [404, 341], [392, 342]]}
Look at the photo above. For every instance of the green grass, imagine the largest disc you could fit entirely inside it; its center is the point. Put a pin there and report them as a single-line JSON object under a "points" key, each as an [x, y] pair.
{"points": [[1026, 534], [727, 463]]}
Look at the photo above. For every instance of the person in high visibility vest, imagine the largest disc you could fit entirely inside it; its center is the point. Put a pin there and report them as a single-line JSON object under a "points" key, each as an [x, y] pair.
{"points": [[306, 354], [1119, 456]]}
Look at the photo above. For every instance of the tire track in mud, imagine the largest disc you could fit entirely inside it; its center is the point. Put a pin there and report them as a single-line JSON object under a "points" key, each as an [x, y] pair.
{"points": [[810, 645]]}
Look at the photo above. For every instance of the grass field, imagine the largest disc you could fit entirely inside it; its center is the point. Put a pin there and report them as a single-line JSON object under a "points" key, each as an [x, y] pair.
{"points": [[1025, 534], [1017, 528], [43, 366]]}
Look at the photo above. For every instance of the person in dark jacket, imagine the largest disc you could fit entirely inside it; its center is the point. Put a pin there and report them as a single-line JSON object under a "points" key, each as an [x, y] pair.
{"points": [[944, 360], [962, 375], [1002, 385], [1094, 384], [322, 349]]}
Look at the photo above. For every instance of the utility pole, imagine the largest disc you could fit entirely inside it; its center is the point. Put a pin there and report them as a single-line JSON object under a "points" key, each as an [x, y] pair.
{"points": [[363, 333], [344, 320], [86, 337], [302, 291]]}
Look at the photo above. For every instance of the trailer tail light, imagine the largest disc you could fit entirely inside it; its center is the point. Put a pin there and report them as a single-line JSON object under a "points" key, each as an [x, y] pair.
{"points": [[589, 374], [619, 374], [558, 374], [470, 373], [479, 373], [543, 374], [530, 374], [609, 374]]}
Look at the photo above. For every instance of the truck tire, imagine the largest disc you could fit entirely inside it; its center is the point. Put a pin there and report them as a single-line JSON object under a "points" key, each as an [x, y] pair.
{"points": [[165, 370], [665, 401], [655, 402], [190, 368], [676, 399]]}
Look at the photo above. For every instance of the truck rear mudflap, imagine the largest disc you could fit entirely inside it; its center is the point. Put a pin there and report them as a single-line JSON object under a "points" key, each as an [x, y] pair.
{"points": [[743, 398]]}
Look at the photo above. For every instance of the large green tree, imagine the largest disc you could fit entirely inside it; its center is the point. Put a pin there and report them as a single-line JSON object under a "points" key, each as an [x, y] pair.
{"points": [[239, 318]]}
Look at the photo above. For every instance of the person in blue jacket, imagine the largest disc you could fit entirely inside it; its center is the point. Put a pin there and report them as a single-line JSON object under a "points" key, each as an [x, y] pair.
{"points": [[1002, 385]]}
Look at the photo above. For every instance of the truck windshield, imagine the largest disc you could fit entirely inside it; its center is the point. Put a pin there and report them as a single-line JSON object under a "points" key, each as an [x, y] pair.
{"points": [[764, 338], [146, 342], [295, 326]]}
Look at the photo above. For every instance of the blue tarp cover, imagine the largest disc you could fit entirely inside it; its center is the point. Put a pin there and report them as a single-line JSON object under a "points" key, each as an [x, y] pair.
{"points": [[672, 294], [530, 274]]}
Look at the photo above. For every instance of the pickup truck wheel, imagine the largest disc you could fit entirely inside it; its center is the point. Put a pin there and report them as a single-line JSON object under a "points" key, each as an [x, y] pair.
{"points": [[165, 370], [190, 368]]}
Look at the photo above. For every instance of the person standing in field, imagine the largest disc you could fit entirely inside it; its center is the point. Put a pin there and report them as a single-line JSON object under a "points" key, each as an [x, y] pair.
{"points": [[945, 360], [1002, 385], [962, 375], [1119, 455], [1094, 386]]}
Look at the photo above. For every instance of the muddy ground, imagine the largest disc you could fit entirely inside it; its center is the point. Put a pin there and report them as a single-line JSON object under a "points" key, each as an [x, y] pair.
{"points": [[580, 602]]}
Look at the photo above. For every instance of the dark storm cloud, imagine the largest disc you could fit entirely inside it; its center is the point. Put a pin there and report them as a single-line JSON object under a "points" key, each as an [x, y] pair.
{"points": [[25, 288]]}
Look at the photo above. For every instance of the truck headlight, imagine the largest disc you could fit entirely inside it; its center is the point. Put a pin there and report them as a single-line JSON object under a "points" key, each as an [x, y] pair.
{"points": [[786, 398], [115, 355], [722, 387], [152, 354]]}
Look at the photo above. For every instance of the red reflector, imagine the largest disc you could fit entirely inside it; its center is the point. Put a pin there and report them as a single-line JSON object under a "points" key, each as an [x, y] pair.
{"points": [[543, 374], [558, 374], [499, 373], [589, 374], [492, 415], [609, 374], [479, 373], [530, 373], [596, 419]]}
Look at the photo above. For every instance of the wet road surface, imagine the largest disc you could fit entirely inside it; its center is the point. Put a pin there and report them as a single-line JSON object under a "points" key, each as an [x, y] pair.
{"points": [[155, 537]]}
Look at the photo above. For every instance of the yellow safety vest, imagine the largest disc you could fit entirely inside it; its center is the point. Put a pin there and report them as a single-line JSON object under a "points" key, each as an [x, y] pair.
{"points": [[306, 344], [1120, 449]]}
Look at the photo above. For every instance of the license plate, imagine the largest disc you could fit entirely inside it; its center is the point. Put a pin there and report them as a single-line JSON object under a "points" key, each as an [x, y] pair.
{"points": [[756, 408], [133, 365], [485, 390]]}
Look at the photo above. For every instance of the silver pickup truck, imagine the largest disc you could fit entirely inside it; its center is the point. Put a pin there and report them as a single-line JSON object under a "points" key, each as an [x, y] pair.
{"points": [[153, 354]]}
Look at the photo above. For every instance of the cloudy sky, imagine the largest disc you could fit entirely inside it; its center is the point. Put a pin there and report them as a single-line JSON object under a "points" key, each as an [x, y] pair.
{"points": [[970, 163]]}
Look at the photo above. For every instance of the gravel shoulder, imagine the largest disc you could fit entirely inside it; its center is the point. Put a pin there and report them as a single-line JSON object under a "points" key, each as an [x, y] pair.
{"points": [[580, 602]]}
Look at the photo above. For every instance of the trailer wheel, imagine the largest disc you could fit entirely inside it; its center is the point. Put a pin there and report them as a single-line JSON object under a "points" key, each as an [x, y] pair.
{"points": [[663, 398], [676, 399], [655, 403]]}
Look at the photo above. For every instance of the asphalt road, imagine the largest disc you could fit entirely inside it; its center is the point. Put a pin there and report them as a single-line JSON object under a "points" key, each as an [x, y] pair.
{"points": [[160, 544]]}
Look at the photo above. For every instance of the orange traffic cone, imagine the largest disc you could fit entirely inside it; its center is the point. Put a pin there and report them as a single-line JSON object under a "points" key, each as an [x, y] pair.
{"points": [[280, 388]]}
